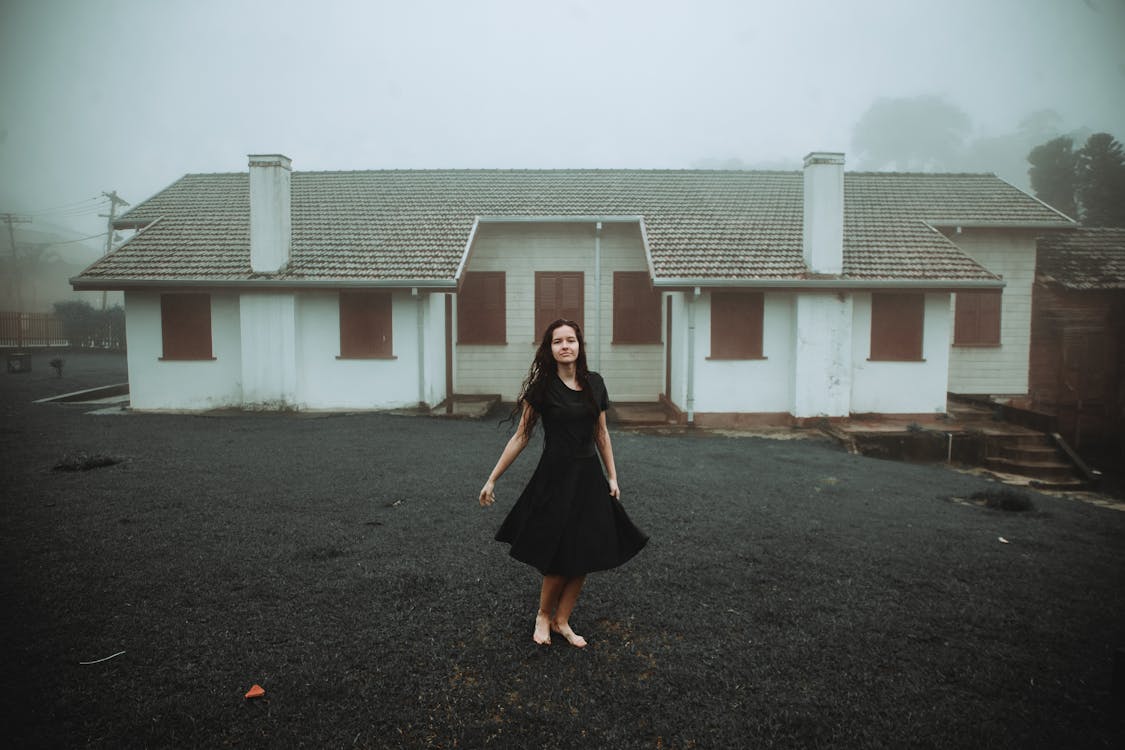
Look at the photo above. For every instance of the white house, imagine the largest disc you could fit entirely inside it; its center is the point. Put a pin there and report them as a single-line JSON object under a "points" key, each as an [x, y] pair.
{"points": [[727, 295]]}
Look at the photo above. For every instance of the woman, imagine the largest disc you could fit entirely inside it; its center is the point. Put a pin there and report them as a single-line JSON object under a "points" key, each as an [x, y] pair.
{"points": [[569, 520]]}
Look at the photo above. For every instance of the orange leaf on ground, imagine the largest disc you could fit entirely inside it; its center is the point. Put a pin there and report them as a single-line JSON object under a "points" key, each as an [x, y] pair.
{"points": [[255, 692]]}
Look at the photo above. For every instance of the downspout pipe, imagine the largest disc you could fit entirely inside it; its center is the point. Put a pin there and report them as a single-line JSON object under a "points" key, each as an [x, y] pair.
{"points": [[691, 302], [597, 295], [421, 298]]}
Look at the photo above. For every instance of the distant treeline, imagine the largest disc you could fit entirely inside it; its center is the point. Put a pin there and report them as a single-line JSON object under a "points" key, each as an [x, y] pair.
{"points": [[87, 328]]}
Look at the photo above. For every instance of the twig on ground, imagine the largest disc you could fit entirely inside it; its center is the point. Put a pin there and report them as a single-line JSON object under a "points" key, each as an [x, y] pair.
{"points": [[106, 658]]}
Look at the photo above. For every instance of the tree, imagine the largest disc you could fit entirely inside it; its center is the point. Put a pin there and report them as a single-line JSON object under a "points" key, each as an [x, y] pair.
{"points": [[1101, 181], [922, 133], [86, 327], [1053, 174]]}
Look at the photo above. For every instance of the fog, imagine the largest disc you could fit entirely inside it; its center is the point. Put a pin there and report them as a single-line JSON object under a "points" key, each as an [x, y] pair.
{"points": [[128, 95]]}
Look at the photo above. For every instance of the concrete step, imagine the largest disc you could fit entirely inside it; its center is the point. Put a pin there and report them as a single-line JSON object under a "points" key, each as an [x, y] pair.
{"points": [[1051, 471], [1030, 453], [466, 407], [639, 415], [1071, 485]]}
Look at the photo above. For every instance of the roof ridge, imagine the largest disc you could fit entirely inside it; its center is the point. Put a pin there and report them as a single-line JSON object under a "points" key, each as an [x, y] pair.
{"points": [[867, 173]]}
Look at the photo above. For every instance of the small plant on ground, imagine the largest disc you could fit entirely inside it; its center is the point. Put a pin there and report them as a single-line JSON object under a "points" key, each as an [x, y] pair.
{"points": [[1004, 499]]}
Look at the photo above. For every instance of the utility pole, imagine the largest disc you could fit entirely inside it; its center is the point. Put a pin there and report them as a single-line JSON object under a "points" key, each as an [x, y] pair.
{"points": [[16, 276], [113, 201]]}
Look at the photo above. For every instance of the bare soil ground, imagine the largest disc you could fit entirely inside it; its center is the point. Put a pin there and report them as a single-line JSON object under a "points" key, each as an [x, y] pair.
{"points": [[792, 595]]}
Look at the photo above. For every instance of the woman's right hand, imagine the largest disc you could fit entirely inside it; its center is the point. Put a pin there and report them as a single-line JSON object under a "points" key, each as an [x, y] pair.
{"points": [[487, 494]]}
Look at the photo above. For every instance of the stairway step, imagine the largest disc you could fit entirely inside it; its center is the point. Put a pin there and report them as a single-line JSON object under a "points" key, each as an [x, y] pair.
{"points": [[1070, 485], [1031, 454], [634, 415], [1046, 470]]}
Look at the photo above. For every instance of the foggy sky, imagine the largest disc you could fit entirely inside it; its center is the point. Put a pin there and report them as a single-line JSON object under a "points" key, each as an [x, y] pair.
{"points": [[131, 94]]}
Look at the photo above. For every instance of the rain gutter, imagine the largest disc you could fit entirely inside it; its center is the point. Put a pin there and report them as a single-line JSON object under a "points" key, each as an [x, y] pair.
{"points": [[686, 284], [87, 284], [692, 298], [597, 295], [421, 299]]}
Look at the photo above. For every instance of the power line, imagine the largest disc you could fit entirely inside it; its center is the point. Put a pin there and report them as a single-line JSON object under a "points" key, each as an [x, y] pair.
{"points": [[86, 205], [81, 239]]}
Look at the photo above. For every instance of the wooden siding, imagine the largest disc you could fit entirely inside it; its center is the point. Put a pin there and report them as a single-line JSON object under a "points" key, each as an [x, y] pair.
{"points": [[1078, 363], [633, 372], [1001, 369]]}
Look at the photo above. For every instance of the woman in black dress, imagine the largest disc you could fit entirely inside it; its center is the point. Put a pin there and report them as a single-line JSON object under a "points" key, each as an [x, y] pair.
{"points": [[569, 520]]}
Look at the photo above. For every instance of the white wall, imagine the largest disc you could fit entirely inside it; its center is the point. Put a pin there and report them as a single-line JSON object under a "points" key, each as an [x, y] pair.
{"points": [[269, 357], [822, 354], [1003, 369], [262, 332], [632, 372], [327, 382], [902, 387], [435, 348], [751, 386], [194, 385]]}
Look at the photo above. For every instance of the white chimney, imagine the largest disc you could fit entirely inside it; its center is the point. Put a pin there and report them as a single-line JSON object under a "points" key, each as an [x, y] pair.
{"points": [[270, 223], [823, 231]]}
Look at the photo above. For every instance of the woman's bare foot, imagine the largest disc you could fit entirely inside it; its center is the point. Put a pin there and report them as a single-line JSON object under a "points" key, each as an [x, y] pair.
{"points": [[542, 634], [565, 631]]}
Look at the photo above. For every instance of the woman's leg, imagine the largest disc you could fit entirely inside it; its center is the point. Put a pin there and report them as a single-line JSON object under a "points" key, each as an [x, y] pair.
{"points": [[568, 598], [549, 595]]}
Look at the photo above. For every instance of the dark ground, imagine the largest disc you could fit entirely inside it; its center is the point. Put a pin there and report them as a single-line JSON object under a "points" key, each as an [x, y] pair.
{"points": [[793, 595]]}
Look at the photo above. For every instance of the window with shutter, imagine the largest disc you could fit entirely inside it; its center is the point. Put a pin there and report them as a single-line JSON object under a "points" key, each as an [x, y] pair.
{"points": [[185, 326], [636, 309], [736, 325], [365, 325], [897, 320], [976, 320], [558, 294], [481, 309]]}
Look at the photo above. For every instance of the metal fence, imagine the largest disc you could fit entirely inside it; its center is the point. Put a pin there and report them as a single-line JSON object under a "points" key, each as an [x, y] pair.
{"points": [[31, 329]]}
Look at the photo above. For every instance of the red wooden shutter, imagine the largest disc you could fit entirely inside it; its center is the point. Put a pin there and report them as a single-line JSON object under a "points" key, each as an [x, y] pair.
{"points": [[481, 309], [976, 319], [636, 309], [185, 326], [897, 320], [365, 325], [558, 294], [736, 325]]}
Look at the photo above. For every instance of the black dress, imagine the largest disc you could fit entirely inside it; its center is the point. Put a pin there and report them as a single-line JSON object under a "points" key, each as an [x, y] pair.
{"points": [[566, 522]]}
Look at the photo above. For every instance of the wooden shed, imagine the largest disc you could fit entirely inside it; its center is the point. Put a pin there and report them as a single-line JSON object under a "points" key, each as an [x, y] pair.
{"points": [[1077, 364]]}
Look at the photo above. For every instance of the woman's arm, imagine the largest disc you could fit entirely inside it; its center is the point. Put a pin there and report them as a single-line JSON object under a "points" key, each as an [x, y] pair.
{"points": [[512, 450], [605, 448]]}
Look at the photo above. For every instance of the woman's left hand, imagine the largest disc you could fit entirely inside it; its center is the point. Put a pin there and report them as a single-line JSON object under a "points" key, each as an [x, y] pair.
{"points": [[614, 490]]}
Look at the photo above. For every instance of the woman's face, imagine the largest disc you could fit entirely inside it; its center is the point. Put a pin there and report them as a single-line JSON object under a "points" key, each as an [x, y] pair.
{"points": [[564, 345]]}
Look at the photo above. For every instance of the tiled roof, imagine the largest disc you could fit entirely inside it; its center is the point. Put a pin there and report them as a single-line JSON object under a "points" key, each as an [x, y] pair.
{"points": [[414, 225], [1083, 259]]}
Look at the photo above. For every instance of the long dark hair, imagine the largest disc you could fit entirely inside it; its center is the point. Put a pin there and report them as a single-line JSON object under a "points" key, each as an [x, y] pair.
{"points": [[544, 367]]}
